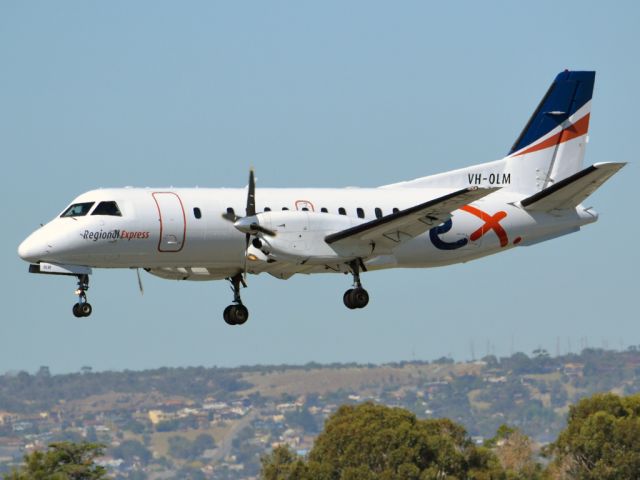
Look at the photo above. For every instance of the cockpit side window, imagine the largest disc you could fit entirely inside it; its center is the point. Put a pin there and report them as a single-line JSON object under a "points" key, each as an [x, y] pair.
{"points": [[107, 208], [78, 209]]}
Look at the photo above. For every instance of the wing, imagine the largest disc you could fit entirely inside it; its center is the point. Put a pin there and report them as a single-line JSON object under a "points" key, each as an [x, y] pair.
{"points": [[389, 231]]}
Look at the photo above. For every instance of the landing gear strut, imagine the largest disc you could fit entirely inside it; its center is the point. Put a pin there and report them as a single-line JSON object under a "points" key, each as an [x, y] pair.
{"points": [[82, 308], [236, 313], [356, 297]]}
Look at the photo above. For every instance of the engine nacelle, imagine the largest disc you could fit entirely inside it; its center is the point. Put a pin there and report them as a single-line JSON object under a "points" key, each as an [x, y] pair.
{"points": [[299, 237]]}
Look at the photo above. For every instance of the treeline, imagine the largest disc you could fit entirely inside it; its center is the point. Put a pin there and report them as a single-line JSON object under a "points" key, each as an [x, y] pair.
{"points": [[26, 393], [23, 392], [601, 441]]}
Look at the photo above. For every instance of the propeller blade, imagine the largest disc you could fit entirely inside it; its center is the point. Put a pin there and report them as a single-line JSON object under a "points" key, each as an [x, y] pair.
{"points": [[247, 238], [231, 217], [250, 226], [140, 282], [251, 195], [244, 224], [259, 228]]}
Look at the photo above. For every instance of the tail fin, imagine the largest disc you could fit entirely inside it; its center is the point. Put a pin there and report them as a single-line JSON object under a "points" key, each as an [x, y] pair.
{"points": [[552, 144]]}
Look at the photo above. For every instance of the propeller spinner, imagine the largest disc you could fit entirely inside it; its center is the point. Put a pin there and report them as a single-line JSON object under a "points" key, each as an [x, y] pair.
{"points": [[249, 224]]}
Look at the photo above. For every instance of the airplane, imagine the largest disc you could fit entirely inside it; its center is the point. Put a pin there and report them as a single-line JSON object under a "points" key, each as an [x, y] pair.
{"points": [[533, 194]]}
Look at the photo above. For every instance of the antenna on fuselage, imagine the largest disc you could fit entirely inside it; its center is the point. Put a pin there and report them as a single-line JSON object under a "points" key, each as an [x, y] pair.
{"points": [[140, 281]]}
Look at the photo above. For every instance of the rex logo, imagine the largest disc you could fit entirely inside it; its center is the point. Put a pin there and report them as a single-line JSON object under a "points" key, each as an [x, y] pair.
{"points": [[491, 223]]}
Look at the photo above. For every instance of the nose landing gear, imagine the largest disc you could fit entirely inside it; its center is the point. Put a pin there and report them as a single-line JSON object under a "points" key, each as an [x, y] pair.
{"points": [[237, 313], [356, 297], [82, 308]]}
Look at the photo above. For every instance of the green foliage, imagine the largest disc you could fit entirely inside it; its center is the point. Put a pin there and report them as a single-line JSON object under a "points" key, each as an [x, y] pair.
{"points": [[374, 442], [135, 426], [602, 439], [25, 393], [177, 424], [67, 436], [303, 419], [188, 472], [131, 451], [444, 361], [62, 461], [515, 453], [183, 448], [283, 464]]}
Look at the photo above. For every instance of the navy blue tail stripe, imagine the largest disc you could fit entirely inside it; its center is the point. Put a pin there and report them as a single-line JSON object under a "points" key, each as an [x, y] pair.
{"points": [[566, 95]]}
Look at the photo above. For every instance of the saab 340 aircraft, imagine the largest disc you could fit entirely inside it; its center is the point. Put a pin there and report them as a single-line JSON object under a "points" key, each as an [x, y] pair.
{"points": [[532, 195]]}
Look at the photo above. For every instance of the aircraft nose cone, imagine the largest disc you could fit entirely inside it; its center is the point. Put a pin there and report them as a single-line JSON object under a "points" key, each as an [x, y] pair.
{"points": [[31, 250]]}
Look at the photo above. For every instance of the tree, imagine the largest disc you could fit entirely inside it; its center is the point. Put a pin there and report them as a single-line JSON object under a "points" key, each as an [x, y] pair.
{"points": [[283, 464], [179, 447], [302, 418], [201, 443], [601, 440], [62, 461], [374, 442], [515, 453], [131, 451], [182, 447]]}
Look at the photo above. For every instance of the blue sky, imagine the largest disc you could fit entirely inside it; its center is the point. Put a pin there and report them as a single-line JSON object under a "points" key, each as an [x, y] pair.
{"points": [[98, 94]]}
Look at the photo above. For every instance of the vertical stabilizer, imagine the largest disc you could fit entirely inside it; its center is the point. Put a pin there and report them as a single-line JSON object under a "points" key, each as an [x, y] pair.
{"points": [[552, 144]]}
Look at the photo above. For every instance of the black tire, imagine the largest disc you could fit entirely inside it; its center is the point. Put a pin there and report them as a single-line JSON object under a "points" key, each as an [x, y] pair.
{"points": [[227, 315], [76, 310], [359, 297], [241, 314], [85, 309], [347, 298]]}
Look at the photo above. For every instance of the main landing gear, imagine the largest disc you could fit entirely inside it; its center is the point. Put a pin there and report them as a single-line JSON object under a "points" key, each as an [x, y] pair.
{"points": [[236, 313], [82, 308], [356, 297]]}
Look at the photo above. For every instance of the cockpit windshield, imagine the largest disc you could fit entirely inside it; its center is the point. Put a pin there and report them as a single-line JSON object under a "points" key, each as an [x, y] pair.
{"points": [[107, 208], [78, 209]]}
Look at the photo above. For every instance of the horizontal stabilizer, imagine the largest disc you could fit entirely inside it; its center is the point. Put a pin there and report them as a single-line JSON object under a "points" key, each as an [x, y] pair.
{"points": [[395, 228], [571, 191]]}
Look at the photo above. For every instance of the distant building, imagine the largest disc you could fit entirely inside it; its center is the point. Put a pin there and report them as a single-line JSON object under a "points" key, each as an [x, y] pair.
{"points": [[574, 370], [157, 416]]}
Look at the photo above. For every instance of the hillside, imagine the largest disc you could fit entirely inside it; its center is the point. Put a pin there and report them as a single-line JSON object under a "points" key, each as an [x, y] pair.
{"points": [[219, 421]]}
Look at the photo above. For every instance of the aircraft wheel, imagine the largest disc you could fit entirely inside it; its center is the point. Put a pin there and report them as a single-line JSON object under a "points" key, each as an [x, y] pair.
{"points": [[241, 314], [348, 300], [76, 310], [227, 315], [85, 309], [359, 297]]}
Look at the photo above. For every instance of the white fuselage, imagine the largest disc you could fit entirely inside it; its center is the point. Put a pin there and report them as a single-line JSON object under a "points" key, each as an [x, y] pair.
{"points": [[181, 233]]}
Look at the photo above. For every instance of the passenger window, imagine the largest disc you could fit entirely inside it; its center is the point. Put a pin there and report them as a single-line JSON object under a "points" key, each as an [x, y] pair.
{"points": [[395, 210], [267, 209], [342, 211], [324, 210], [360, 212], [305, 209], [107, 208], [378, 212], [197, 213], [285, 208], [230, 211], [78, 209]]}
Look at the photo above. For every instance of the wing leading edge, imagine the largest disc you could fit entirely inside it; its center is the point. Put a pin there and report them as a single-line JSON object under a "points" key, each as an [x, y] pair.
{"points": [[401, 226]]}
